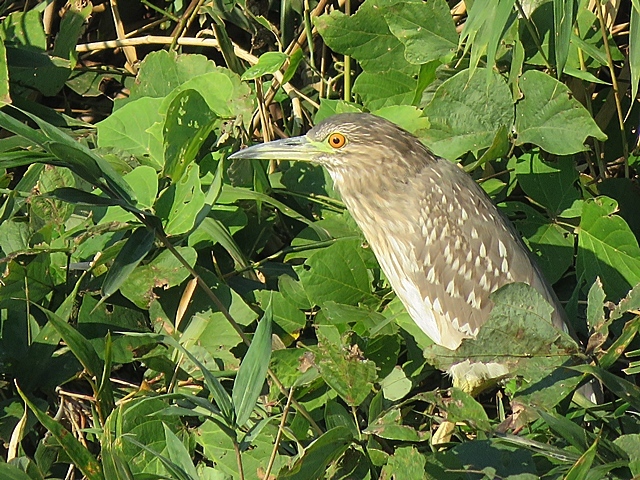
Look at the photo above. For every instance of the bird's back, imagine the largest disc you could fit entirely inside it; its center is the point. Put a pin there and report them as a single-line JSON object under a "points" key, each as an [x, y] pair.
{"points": [[443, 246]]}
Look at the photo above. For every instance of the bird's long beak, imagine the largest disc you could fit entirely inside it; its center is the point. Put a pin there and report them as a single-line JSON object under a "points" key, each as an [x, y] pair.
{"points": [[296, 148]]}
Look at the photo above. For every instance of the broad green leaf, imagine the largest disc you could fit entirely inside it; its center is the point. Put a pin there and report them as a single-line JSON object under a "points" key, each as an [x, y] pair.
{"points": [[630, 443], [550, 184], [24, 28], [71, 27], [552, 246], [144, 420], [607, 249], [335, 415], [361, 320], [230, 98], [518, 336], [268, 63], [131, 254], [464, 408], [406, 463], [338, 273], [316, 457], [178, 205], [78, 453], [218, 447], [128, 128], [382, 89], [366, 37], [387, 77], [175, 470], [466, 113], [549, 116], [38, 70], [595, 305], [164, 271], [253, 370], [345, 370], [187, 125], [426, 29], [286, 314], [11, 472], [405, 116], [390, 427], [163, 71], [396, 385]]}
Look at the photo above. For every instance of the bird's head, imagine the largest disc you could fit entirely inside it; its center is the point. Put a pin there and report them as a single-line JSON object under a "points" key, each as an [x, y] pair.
{"points": [[348, 142]]}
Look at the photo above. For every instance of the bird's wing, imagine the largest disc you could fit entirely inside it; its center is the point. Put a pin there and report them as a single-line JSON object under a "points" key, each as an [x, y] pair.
{"points": [[462, 251]]}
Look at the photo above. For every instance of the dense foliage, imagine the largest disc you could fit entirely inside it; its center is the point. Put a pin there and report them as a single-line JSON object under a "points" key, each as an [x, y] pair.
{"points": [[168, 313]]}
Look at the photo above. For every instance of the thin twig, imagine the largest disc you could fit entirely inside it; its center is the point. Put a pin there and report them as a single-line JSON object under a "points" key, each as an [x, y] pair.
{"points": [[276, 443]]}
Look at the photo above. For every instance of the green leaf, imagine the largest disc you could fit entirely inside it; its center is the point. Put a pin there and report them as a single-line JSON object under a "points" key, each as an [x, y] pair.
{"points": [[131, 254], [187, 125], [365, 36], [563, 19], [466, 113], [71, 27], [71, 154], [551, 245], [345, 370], [338, 273], [10, 472], [390, 427], [5, 97], [406, 463], [164, 271], [551, 184], [78, 453], [517, 339], [80, 346], [179, 205], [426, 29], [634, 48], [253, 370], [268, 63], [487, 22], [129, 129], [549, 116], [178, 454], [163, 71], [595, 305], [607, 248], [396, 385], [318, 455], [583, 466]]}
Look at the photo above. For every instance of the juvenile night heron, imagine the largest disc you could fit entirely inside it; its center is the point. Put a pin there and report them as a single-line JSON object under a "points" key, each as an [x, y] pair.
{"points": [[439, 239]]}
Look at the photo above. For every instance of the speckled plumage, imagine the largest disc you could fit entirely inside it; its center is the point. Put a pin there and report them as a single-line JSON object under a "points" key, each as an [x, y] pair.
{"points": [[439, 239]]}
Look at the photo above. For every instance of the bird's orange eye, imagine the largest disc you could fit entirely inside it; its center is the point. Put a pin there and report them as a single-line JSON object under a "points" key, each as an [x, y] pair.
{"points": [[337, 140]]}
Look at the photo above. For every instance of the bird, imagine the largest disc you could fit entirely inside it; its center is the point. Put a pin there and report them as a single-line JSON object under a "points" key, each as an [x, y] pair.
{"points": [[441, 242]]}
